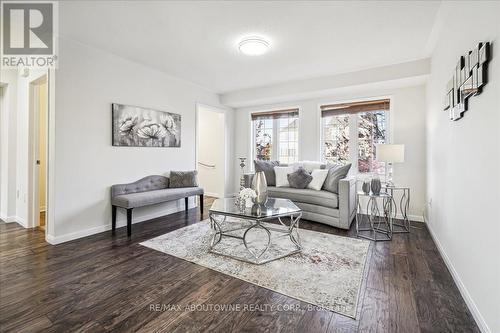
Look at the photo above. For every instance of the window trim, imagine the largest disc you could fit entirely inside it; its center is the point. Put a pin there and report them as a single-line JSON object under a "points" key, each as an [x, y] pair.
{"points": [[275, 131], [389, 123]]}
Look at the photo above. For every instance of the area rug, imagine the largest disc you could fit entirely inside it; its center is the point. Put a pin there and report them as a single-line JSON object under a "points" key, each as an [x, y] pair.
{"points": [[327, 273]]}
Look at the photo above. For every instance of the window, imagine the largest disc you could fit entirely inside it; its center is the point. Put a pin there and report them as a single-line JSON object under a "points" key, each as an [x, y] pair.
{"points": [[350, 132], [276, 135]]}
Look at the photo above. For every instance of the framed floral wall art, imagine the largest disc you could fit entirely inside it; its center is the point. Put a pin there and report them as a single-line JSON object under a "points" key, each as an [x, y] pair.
{"points": [[135, 126]]}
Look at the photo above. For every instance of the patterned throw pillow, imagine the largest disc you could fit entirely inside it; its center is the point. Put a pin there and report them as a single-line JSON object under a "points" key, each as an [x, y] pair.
{"points": [[335, 174], [300, 178], [268, 168], [183, 179]]}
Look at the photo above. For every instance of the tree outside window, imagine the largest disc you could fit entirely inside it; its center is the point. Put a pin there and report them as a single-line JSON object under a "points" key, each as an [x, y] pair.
{"points": [[350, 134], [276, 135]]}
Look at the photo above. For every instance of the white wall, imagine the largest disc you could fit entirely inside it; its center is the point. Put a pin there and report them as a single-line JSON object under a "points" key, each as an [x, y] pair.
{"points": [[463, 162], [87, 82], [407, 127]]}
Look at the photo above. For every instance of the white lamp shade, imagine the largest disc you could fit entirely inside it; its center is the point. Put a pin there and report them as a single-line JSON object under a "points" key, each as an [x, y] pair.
{"points": [[390, 153]]}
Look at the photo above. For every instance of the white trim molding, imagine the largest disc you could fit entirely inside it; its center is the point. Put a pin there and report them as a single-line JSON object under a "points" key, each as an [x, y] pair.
{"points": [[16, 219], [8, 219], [483, 326], [54, 240]]}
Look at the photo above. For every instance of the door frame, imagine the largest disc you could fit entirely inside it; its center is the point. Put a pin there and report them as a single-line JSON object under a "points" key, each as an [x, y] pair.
{"points": [[33, 153], [226, 164]]}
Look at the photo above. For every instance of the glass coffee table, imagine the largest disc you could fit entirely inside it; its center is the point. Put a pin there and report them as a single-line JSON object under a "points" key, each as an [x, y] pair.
{"points": [[228, 221]]}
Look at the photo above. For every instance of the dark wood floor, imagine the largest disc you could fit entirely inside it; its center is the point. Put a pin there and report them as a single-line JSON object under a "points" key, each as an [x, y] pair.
{"points": [[103, 283]]}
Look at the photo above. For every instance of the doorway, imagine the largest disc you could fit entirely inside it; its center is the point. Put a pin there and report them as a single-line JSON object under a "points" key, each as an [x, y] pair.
{"points": [[211, 150], [38, 100]]}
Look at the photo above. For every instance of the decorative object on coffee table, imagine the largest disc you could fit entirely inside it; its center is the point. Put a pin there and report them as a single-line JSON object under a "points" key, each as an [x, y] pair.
{"points": [[390, 154], [259, 185], [376, 186], [246, 197]]}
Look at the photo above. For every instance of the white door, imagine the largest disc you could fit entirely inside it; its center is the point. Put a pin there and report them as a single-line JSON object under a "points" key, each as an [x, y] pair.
{"points": [[211, 150]]}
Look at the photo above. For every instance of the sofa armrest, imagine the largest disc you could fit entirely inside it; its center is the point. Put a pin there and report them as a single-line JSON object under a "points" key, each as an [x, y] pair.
{"points": [[347, 201], [248, 177]]}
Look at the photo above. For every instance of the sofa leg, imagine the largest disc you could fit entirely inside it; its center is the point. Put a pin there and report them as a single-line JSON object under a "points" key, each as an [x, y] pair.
{"points": [[201, 204], [113, 219], [186, 202], [129, 222]]}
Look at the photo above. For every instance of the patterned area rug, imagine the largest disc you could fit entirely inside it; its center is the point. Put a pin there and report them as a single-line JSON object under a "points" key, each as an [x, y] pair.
{"points": [[327, 273]]}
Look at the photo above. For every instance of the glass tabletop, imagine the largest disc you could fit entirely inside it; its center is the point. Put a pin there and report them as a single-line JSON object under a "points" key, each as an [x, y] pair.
{"points": [[372, 195], [273, 208]]}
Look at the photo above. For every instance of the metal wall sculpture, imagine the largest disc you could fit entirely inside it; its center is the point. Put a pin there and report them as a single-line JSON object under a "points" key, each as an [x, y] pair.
{"points": [[468, 80]]}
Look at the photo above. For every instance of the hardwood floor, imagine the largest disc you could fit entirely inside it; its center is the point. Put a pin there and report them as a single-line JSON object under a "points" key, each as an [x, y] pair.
{"points": [[103, 283]]}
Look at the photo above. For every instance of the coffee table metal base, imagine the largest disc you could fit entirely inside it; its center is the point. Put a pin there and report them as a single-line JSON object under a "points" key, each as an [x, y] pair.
{"points": [[291, 231]]}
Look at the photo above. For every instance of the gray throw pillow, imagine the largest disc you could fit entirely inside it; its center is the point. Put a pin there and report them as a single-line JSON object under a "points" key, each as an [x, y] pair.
{"points": [[300, 178], [335, 174], [183, 178], [268, 168]]}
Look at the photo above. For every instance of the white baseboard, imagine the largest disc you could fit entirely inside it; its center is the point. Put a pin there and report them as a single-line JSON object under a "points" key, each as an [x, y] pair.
{"points": [[22, 222], [8, 219], [212, 194], [483, 326], [54, 240], [417, 218], [12, 219]]}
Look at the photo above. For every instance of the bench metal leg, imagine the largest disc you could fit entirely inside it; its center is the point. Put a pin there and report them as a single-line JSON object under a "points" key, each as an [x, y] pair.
{"points": [[129, 222], [201, 204], [113, 219], [186, 202]]}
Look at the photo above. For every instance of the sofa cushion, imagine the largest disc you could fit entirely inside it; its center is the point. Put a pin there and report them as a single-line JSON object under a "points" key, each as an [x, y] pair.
{"points": [[140, 199], [183, 179], [335, 174], [321, 198], [299, 178], [268, 168]]}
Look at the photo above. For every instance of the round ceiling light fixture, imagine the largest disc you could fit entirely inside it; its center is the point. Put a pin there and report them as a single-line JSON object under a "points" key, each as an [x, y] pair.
{"points": [[253, 46]]}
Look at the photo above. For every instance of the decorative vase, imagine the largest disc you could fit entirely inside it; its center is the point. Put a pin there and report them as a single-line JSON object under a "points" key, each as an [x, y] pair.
{"points": [[366, 187], [376, 186], [259, 185]]}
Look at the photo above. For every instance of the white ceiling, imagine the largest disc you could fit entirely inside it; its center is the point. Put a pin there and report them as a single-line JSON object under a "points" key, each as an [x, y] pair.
{"points": [[197, 41]]}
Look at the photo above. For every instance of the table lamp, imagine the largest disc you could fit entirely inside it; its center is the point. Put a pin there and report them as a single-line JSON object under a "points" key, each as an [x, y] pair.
{"points": [[390, 154]]}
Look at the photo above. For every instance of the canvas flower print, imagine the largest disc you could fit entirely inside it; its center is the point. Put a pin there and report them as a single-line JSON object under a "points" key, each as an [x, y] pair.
{"points": [[135, 126]]}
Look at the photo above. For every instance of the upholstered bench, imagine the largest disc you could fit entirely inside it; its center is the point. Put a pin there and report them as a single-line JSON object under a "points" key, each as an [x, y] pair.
{"points": [[147, 191]]}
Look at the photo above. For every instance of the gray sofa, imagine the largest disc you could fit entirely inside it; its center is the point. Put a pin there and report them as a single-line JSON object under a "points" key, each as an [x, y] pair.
{"points": [[325, 207], [147, 191]]}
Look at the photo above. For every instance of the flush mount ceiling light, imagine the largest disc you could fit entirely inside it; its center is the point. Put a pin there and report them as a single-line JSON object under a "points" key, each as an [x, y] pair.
{"points": [[253, 46]]}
